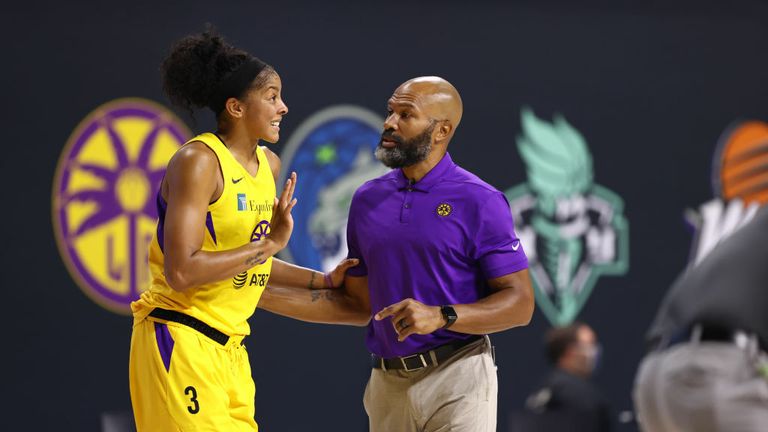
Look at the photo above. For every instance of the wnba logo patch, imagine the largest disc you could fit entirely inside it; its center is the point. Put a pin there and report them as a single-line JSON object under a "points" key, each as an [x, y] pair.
{"points": [[104, 213], [334, 148], [740, 183]]}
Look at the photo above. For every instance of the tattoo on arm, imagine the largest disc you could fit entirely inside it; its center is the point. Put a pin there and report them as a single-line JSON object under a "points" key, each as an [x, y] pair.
{"points": [[321, 293], [325, 294], [254, 259]]}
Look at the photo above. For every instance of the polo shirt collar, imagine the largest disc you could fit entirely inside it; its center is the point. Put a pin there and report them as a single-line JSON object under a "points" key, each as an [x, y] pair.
{"points": [[433, 177]]}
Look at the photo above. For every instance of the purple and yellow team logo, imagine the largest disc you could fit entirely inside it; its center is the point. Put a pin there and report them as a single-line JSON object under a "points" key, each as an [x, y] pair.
{"points": [[261, 231], [104, 210]]}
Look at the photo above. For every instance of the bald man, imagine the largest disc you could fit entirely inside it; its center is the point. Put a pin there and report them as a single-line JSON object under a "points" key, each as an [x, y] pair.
{"points": [[439, 268]]}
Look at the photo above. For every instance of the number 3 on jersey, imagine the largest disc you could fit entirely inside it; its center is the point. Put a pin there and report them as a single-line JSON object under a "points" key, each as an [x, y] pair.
{"points": [[192, 393]]}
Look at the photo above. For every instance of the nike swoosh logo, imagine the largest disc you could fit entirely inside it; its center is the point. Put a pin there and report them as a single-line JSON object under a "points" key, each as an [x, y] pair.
{"points": [[237, 181], [516, 246]]}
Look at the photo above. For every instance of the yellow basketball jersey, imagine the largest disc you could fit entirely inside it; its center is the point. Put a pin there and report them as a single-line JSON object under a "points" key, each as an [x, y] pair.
{"points": [[242, 214]]}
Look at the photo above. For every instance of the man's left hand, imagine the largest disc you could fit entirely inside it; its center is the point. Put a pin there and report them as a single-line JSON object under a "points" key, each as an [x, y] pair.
{"points": [[410, 316], [337, 274]]}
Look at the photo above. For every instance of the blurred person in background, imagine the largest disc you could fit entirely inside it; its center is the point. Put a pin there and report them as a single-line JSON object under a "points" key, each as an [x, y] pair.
{"points": [[568, 400]]}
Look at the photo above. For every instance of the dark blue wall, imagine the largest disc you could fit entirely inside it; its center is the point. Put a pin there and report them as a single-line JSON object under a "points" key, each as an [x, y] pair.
{"points": [[651, 88]]}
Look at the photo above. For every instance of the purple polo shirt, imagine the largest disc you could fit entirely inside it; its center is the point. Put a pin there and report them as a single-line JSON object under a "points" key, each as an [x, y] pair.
{"points": [[438, 241]]}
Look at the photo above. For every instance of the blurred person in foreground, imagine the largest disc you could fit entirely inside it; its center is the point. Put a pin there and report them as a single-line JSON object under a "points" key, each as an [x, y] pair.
{"points": [[706, 369]]}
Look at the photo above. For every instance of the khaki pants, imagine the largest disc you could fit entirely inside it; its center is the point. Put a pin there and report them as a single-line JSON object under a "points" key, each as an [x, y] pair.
{"points": [[458, 395], [701, 387]]}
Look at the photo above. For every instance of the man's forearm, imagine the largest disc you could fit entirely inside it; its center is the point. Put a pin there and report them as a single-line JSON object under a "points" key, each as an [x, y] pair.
{"points": [[510, 305], [500, 311]]}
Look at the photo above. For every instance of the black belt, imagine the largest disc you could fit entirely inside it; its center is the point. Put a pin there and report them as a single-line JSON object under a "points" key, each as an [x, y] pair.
{"points": [[421, 360], [191, 322]]}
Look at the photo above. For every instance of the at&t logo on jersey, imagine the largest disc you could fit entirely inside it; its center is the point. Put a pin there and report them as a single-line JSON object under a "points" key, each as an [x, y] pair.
{"points": [[333, 151], [257, 279], [739, 183], [572, 229], [104, 214]]}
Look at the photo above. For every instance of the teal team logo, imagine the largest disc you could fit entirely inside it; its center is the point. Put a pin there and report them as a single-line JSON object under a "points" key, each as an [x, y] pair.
{"points": [[104, 212], [573, 230], [333, 153]]}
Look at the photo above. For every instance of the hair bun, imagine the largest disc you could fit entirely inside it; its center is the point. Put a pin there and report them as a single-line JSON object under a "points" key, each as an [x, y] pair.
{"points": [[195, 65]]}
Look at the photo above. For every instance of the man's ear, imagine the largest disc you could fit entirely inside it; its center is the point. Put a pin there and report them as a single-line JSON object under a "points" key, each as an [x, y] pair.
{"points": [[444, 131]]}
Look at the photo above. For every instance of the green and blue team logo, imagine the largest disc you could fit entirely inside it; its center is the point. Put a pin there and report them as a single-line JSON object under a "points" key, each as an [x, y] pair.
{"points": [[573, 230], [332, 151]]}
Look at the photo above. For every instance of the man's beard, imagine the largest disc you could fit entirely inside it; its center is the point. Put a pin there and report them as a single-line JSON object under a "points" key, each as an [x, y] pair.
{"points": [[405, 153]]}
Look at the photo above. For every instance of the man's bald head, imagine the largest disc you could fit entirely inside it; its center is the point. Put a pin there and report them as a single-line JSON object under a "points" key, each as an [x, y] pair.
{"points": [[435, 96], [423, 114]]}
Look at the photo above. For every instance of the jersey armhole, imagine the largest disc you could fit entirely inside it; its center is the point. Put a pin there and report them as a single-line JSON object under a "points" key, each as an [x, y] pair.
{"points": [[213, 203], [264, 150], [223, 181]]}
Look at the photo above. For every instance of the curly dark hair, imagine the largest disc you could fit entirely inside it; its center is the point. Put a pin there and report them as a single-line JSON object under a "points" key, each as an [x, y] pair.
{"points": [[196, 65]]}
